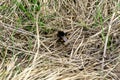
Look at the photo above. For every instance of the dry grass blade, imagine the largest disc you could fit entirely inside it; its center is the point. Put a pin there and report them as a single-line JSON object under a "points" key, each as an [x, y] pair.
{"points": [[108, 33]]}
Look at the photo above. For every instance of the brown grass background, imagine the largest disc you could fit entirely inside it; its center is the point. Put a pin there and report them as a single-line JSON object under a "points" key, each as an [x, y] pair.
{"points": [[30, 50]]}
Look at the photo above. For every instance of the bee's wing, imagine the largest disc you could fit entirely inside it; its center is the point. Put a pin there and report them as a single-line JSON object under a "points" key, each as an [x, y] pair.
{"points": [[64, 38]]}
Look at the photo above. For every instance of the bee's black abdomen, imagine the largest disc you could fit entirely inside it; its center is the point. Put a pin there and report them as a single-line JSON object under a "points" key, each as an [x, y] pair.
{"points": [[60, 34]]}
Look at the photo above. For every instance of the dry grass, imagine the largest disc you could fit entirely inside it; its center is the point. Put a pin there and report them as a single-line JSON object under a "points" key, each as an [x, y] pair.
{"points": [[29, 47]]}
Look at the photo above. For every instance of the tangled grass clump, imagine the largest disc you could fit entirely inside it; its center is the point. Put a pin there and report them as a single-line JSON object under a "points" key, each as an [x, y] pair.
{"points": [[31, 50]]}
